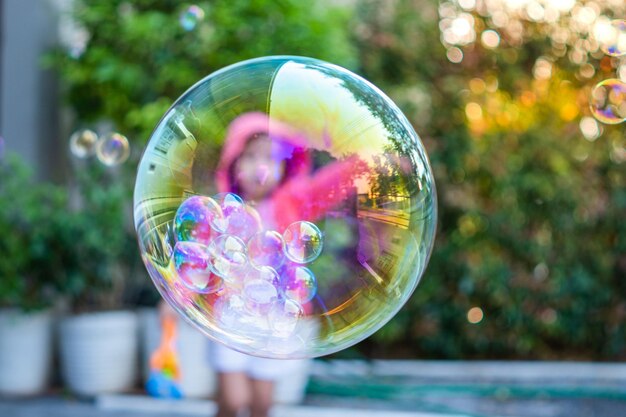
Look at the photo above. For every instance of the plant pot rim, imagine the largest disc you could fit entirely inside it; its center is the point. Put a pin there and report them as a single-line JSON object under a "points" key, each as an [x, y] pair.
{"points": [[96, 314]]}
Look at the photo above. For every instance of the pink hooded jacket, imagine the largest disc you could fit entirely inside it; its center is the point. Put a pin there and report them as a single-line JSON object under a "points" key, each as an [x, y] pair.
{"points": [[302, 194]]}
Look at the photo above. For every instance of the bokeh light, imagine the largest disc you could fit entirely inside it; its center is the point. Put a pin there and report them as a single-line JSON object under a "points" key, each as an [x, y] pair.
{"points": [[612, 37], [475, 315]]}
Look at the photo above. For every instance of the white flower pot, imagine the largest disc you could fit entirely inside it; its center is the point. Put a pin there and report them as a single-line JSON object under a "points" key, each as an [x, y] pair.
{"points": [[197, 378], [25, 351], [99, 352], [290, 389]]}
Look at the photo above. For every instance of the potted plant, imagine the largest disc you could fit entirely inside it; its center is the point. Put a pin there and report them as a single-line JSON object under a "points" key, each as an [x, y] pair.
{"points": [[98, 339], [29, 277]]}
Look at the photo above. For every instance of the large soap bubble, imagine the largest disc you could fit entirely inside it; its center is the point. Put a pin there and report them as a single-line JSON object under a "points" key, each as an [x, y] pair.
{"points": [[286, 207]]}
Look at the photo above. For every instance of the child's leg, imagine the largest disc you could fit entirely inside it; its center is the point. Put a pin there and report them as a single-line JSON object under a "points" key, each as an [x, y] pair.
{"points": [[234, 393], [262, 397]]}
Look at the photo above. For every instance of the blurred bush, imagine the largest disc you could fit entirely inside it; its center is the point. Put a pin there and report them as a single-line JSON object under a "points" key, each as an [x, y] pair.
{"points": [[531, 227], [98, 244], [530, 230], [139, 58], [31, 274]]}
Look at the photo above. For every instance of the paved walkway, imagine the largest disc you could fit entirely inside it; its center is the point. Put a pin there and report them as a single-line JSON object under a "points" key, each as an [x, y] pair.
{"points": [[398, 389], [136, 406]]}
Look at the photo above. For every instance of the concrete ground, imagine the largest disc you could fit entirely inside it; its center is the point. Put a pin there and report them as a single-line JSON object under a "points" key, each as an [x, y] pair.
{"points": [[397, 389]]}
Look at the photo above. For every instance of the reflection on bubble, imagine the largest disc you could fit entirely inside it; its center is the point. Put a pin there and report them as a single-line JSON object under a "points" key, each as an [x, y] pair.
{"points": [[194, 218], [259, 296], [608, 101], [228, 257], [113, 149], [303, 242], [266, 249], [284, 317], [265, 273], [190, 17], [192, 265], [83, 143], [612, 38], [240, 219], [298, 283]]}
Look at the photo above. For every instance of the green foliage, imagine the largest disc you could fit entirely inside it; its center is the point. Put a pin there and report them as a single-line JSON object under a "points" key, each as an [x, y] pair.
{"points": [[97, 245], [531, 214], [139, 58], [30, 275]]}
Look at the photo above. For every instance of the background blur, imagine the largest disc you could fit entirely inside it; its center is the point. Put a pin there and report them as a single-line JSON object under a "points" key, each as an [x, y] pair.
{"points": [[530, 257]]}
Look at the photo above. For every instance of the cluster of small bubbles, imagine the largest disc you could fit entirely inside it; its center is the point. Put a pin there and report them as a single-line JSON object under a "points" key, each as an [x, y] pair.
{"points": [[191, 261], [303, 242], [190, 17], [83, 143], [222, 249], [267, 248], [613, 38], [608, 101], [194, 218], [113, 149], [239, 219], [228, 257]]}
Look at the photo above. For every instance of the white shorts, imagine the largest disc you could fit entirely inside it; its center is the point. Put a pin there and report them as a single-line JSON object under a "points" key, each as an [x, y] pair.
{"points": [[226, 360]]}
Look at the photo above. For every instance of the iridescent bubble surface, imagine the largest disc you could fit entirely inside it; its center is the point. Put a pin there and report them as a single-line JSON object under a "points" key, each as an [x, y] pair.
{"points": [[613, 38], [290, 149], [298, 283], [267, 248], [190, 17], [303, 242], [83, 143], [192, 266], [194, 218], [113, 149], [228, 257], [608, 101]]}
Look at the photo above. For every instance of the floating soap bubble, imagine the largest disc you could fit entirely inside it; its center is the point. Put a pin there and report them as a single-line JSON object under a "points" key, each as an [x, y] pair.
{"points": [[303, 242], [284, 317], [190, 17], [267, 248], [83, 143], [612, 38], [239, 219], [192, 266], [112, 149], [228, 257], [194, 218], [608, 101], [298, 283], [259, 296], [327, 205]]}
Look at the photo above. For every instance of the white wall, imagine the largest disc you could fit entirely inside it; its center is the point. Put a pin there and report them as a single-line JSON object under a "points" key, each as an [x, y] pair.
{"points": [[29, 108]]}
